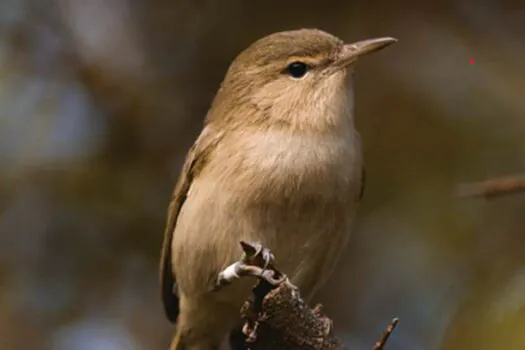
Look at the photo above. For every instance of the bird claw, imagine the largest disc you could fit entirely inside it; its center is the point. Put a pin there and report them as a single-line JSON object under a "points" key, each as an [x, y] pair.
{"points": [[268, 275], [257, 254], [257, 261]]}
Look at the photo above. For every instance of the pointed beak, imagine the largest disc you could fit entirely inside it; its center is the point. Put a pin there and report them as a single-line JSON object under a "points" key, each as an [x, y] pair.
{"points": [[351, 52]]}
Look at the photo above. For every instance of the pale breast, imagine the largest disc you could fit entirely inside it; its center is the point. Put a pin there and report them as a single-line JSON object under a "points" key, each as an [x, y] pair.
{"points": [[277, 163], [297, 195]]}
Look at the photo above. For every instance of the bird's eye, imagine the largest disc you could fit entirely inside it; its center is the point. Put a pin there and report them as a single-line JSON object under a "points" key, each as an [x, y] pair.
{"points": [[297, 70]]}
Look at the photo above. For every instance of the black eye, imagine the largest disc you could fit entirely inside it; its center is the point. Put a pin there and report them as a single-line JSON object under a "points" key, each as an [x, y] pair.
{"points": [[297, 69]]}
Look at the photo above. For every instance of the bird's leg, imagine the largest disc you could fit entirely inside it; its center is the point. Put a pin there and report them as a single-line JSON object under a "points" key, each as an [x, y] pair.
{"points": [[256, 261]]}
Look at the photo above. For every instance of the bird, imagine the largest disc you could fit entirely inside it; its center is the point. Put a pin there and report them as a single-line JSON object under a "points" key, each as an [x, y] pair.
{"points": [[278, 161]]}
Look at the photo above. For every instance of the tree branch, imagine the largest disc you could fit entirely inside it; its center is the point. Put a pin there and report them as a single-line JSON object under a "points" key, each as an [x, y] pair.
{"points": [[493, 188]]}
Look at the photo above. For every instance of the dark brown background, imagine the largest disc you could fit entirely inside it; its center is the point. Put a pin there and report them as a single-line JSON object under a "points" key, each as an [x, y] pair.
{"points": [[100, 99]]}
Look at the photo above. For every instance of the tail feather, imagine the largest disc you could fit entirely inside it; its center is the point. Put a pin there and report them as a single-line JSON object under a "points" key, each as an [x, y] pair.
{"points": [[170, 299]]}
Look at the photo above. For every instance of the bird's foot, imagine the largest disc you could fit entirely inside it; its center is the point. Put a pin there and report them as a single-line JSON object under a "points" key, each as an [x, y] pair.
{"points": [[256, 261], [257, 254]]}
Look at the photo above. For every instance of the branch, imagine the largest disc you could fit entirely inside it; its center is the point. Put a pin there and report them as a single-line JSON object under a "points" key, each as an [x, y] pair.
{"points": [[277, 317], [493, 188], [381, 342]]}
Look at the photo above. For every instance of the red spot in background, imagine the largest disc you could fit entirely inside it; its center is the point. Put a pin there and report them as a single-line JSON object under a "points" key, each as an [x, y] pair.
{"points": [[471, 61]]}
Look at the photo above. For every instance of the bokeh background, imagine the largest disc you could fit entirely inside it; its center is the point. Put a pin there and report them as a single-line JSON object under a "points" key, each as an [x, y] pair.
{"points": [[100, 100]]}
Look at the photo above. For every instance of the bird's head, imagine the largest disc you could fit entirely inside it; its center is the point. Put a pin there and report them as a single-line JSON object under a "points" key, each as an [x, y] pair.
{"points": [[295, 78]]}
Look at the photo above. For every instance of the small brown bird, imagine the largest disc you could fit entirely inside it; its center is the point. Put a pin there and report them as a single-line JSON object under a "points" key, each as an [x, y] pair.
{"points": [[278, 162]]}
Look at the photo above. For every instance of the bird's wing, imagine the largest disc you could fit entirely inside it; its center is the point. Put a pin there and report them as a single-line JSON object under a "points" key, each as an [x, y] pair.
{"points": [[195, 160]]}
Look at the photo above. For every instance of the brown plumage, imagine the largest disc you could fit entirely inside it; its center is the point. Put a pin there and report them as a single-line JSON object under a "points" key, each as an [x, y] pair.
{"points": [[278, 161]]}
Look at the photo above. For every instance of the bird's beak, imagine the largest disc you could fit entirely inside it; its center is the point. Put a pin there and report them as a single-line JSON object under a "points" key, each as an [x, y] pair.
{"points": [[351, 52]]}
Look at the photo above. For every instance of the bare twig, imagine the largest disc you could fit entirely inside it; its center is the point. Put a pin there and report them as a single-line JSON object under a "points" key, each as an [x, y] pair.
{"points": [[493, 188], [277, 317], [389, 329]]}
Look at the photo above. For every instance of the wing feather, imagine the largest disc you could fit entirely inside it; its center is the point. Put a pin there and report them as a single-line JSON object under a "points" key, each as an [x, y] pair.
{"points": [[195, 161]]}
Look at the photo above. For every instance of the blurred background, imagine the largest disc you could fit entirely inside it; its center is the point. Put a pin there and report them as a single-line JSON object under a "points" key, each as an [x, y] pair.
{"points": [[100, 100]]}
